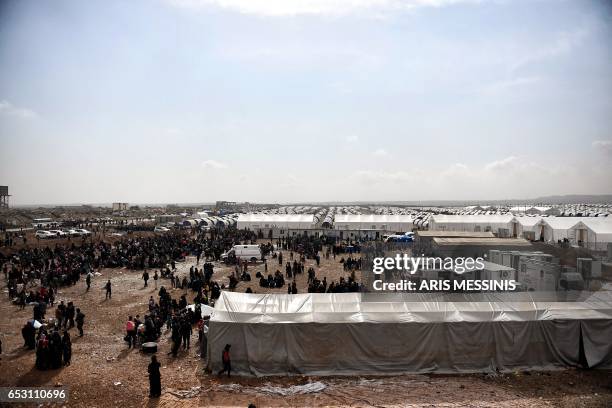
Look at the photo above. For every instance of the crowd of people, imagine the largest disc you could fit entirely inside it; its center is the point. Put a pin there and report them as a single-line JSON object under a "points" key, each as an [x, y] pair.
{"points": [[35, 274], [53, 349], [64, 265]]}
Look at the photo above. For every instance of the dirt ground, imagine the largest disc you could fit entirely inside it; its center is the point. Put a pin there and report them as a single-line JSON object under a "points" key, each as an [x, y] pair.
{"points": [[104, 373]]}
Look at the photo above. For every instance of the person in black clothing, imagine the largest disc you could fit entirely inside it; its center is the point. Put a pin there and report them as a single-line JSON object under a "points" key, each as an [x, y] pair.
{"points": [[67, 348], [108, 289], [29, 335], [80, 319], [145, 278], [186, 331], [88, 281], [55, 349], [176, 336], [69, 321], [154, 378]]}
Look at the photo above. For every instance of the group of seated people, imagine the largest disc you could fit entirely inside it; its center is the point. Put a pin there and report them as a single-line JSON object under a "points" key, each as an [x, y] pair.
{"points": [[276, 281]]}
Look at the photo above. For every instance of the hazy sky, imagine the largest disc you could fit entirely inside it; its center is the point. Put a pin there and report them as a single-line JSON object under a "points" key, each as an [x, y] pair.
{"points": [[288, 100]]}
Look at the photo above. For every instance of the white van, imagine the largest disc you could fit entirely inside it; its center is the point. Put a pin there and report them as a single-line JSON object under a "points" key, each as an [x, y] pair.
{"points": [[245, 252]]}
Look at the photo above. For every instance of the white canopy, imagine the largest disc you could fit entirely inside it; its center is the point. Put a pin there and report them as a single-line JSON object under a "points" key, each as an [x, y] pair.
{"points": [[291, 334], [418, 307], [279, 221], [465, 222], [380, 222]]}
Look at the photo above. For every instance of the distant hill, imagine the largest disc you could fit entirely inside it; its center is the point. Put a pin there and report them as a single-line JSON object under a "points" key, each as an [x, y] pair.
{"points": [[558, 199], [575, 199]]}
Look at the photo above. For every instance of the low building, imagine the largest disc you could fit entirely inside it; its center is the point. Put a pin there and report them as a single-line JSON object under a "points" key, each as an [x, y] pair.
{"points": [[423, 239], [475, 247], [536, 271], [168, 218], [120, 206]]}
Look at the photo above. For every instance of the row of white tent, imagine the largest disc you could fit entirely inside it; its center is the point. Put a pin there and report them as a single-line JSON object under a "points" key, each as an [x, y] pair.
{"points": [[341, 222], [259, 221], [588, 230], [374, 222], [211, 221]]}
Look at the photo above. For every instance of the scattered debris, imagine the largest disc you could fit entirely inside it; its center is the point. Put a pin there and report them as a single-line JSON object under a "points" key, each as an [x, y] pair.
{"points": [[308, 388], [190, 393]]}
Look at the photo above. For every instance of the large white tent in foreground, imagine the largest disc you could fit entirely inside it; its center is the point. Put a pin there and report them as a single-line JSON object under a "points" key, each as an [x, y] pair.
{"points": [[343, 334]]}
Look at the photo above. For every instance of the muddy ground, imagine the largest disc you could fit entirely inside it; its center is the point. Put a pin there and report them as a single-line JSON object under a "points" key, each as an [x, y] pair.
{"points": [[104, 373]]}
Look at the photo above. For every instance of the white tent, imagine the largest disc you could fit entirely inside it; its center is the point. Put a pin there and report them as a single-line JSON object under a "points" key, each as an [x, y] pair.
{"points": [[522, 225], [374, 222], [594, 233], [205, 310], [553, 229], [255, 222], [529, 209], [473, 223], [353, 333]]}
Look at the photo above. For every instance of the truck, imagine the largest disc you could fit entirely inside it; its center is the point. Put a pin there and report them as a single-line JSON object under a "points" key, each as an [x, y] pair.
{"points": [[250, 253]]}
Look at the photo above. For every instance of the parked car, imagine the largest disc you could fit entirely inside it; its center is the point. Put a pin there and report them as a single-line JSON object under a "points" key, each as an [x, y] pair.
{"points": [[161, 229], [70, 232], [42, 234], [399, 238], [82, 232], [58, 233]]}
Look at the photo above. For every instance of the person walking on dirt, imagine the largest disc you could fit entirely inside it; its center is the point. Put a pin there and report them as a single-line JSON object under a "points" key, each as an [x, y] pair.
{"points": [[80, 320], [67, 348], [225, 358], [145, 278], [186, 331], [130, 328], [155, 279], [88, 281], [69, 320], [108, 290], [154, 378]]}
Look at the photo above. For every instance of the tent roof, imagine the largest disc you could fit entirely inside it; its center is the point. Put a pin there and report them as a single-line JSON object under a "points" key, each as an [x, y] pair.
{"points": [[562, 223], [528, 221], [482, 241], [474, 219], [459, 234], [599, 225], [373, 218], [403, 308], [276, 218]]}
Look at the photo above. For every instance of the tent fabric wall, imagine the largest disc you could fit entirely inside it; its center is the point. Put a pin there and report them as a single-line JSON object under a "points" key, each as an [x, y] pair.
{"points": [[558, 228], [291, 334], [380, 222], [275, 221], [473, 223], [527, 224]]}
